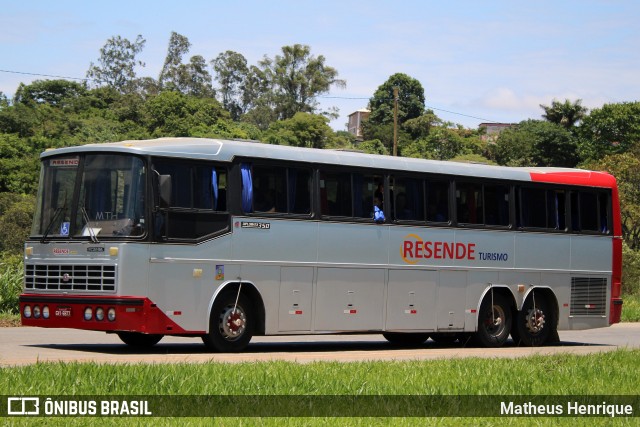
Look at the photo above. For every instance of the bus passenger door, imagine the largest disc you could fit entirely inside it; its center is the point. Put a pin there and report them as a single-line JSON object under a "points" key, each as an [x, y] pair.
{"points": [[452, 290], [296, 291], [411, 300]]}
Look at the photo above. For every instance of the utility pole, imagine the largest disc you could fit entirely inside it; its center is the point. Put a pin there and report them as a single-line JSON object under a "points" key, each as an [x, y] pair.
{"points": [[395, 120]]}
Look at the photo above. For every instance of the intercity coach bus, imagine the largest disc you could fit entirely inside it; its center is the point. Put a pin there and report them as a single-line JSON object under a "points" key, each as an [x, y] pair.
{"points": [[226, 239]]}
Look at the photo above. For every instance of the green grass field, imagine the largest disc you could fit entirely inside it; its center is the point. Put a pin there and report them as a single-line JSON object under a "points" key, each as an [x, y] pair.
{"points": [[611, 373]]}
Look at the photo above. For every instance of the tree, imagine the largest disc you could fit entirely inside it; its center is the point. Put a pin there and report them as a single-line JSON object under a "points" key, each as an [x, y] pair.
{"points": [[566, 113], [52, 92], [611, 129], [117, 63], [172, 113], [4, 101], [373, 146], [170, 75], [535, 143], [232, 74], [410, 100], [192, 78], [302, 130], [297, 78]]}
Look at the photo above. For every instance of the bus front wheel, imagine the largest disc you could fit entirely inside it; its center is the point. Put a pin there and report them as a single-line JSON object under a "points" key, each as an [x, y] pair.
{"points": [[494, 321], [137, 339], [231, 323]]}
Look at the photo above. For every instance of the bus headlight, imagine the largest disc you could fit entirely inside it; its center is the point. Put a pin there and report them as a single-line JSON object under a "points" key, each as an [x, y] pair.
{"points": [[99, 314], [27, 311], [36, 312], [88, 313], [45, 312], [111, 314]]}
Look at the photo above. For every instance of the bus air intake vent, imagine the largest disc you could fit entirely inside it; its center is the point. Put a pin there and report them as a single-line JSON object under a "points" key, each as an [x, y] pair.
{"points": [[588, 296], [70, 277]]}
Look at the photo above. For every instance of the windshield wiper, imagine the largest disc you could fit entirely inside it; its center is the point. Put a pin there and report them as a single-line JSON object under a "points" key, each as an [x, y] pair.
{"points": [[92, 234], [53, 220]]}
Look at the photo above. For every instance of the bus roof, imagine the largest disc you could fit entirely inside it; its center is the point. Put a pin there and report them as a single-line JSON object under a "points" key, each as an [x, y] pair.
{"points": [[227, 150]]}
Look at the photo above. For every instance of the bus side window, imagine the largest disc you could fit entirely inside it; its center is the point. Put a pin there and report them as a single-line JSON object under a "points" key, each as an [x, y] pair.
{"points": [[335, 188], [438, 201], [470, 203], [409, 199]]}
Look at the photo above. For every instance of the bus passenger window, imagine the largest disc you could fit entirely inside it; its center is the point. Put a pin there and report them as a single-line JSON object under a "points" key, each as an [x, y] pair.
{"points": [[533, 208], [409, 199], [587, 211], [496, 205], [368, 191], [335, 194], [269, 189], [438, 201], [469, 202]]}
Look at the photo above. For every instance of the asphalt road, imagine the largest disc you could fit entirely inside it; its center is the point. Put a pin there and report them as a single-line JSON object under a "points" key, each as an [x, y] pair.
{"points": [[22, 346]]}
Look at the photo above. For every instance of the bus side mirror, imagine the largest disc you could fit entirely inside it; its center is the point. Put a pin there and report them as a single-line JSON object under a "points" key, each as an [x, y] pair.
{"points": [[164, 190]]}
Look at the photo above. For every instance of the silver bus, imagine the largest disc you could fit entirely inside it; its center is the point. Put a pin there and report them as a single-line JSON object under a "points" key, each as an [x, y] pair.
{"points": [[225, 240]]}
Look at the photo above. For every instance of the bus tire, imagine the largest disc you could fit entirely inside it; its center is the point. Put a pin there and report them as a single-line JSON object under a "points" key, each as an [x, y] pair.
{"points": [[405, 338], [230, 331], [535, 326], [138, 339], [494, 322]]}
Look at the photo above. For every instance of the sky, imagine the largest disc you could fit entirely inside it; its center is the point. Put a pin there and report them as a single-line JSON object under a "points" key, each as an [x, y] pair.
{"points": [[489, 61]]}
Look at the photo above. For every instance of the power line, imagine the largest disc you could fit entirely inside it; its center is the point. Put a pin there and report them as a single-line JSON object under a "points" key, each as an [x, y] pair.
{"points": [[42, 75], [428, 106], [325, 97]]}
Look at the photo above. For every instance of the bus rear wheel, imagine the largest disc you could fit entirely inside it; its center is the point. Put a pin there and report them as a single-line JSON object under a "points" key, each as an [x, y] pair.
{"points": [[535, 323], [402, 338], [494, 321], [231, 324], [140, 340]]}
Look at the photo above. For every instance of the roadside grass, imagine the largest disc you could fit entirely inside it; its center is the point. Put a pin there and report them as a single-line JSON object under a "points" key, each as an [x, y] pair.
{"points": [[631, 308], [609, 373]]}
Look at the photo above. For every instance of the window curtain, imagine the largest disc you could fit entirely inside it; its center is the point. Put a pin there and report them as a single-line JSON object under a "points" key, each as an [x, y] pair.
{"points": [[247, 188]]}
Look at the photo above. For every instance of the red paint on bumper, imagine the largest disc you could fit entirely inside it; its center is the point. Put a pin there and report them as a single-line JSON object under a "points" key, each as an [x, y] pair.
{"points": [[135, 314]]}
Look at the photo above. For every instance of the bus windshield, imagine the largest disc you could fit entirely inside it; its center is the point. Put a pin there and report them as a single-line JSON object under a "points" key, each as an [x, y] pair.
{"points": [[93, 196]]}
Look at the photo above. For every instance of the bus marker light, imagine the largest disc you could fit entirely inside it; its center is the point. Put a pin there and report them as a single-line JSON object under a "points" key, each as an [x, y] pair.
{"points": [[27, 311], [45, 312], [295, 312], [88, 313], [352, 311], [28, 251], [99, 314], [113, 251], [520, 288], [412, 311], [471, 311], [36, 312], [111, 314], [130, 310]]}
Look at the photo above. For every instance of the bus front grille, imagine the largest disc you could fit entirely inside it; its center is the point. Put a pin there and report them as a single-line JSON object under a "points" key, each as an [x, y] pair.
{"points": [[70, 277], [588, 296]]}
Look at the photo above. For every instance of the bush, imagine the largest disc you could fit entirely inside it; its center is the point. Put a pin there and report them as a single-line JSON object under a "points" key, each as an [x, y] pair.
{"points": [[16, 213], [630, 271], [11, 279]]}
